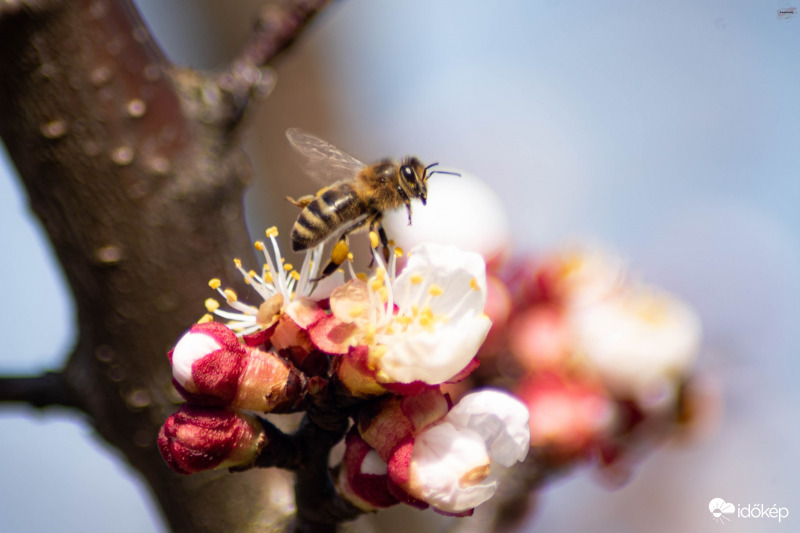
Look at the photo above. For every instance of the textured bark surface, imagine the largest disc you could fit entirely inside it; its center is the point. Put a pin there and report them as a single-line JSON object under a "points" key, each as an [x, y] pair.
{"points": [[135, 169]]}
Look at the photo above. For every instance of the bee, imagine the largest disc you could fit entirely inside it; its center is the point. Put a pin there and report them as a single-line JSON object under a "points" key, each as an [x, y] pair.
{"points": [[356, 198]]}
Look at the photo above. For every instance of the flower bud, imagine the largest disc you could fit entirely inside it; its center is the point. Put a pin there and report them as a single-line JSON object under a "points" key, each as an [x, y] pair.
{"points": [[211, 367], [363, 478], [195, 439]]}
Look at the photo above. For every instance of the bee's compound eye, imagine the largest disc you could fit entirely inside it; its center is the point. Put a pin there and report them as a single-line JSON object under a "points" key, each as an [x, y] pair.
{"points": [[407, 171]]}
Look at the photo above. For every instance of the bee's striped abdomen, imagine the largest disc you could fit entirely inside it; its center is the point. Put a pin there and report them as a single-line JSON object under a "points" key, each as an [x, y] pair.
{"points": [[324, 215]]}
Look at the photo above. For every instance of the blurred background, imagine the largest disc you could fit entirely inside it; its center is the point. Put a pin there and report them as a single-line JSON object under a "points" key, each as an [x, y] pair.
{"points": [[669, 131]]}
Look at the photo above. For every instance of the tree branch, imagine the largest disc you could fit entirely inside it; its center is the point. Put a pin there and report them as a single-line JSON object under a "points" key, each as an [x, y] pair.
{"points": [[141, 196], [46, 390]]}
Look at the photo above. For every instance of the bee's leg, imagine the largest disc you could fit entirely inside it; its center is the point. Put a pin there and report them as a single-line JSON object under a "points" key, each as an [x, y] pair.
{"points": [[301, 202], [339, 255], [408, 208], [384, 242], [376, 225]]}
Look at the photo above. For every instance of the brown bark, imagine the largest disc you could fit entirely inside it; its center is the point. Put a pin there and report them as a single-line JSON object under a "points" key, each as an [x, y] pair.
{"points": [[135, 169]]}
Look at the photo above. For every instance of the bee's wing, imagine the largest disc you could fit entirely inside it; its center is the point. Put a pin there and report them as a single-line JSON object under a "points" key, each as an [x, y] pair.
{"points": [[321, 160]]}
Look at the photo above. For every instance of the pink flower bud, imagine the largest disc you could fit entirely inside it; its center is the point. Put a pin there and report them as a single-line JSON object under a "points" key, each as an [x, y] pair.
{"points": [[363, 478], [211, 367], [196, 439], [567, 417]]}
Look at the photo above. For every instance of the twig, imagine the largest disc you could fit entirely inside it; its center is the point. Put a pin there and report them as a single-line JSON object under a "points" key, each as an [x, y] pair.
{"points": [[46, 390]]}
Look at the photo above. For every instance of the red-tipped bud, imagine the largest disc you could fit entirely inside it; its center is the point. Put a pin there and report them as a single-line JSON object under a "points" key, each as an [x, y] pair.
{"points": [[211, 367], [363, 478], [196, 439]]}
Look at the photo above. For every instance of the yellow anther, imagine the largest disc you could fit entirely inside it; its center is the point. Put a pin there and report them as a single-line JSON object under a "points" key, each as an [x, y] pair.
{"points": [[403, 320], [375, 283], [237, 262], [373, 239], [350, 257], [356, 311], [473, 284], [230, 295], [425, 321], [272, 231], [252, 273], [268, 278], [416, 279], [288, 267], [214, 283], [376, 353], [340, 252], [384, 294], [380, 272], [205, 319], [398, 252], [361, 276], [211, 305], [369, 334], [258, 245], [295, 275], [435, 290]]}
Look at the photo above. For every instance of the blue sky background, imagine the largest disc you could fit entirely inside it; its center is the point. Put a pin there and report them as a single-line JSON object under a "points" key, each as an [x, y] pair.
{"points": [[670, 131]]}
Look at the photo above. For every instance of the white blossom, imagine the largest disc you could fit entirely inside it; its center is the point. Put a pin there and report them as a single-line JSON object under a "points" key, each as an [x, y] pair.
{"points": [[427, 323], [456, 464], [641, 341], [279, 284]]}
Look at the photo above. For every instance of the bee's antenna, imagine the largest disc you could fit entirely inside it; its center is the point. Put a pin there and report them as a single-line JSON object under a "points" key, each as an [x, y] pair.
{"points": [[439, 171], [445, 172]]}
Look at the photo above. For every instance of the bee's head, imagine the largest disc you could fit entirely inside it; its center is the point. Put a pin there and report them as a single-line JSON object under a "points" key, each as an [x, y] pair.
{"points": [[414, 179]]}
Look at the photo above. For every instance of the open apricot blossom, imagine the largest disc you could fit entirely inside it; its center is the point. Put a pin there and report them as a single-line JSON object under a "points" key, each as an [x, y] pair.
{"points": [[430, 454], [195, 439], [425, 325], [279, 284], [652, 349]]}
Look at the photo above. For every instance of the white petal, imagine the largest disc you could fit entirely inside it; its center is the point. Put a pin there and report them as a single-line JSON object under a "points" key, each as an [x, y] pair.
{"points": [[373, 464], [190, 348], [500, 419], [638, 339], [435, 357], [441, 463], [449, 268]]}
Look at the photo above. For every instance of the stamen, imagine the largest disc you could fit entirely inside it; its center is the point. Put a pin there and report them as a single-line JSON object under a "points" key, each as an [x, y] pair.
{"points": [[205, 319], [373, 239], [272, 232], [416, 279], [211, 305], [214, 283], [230, 295]]}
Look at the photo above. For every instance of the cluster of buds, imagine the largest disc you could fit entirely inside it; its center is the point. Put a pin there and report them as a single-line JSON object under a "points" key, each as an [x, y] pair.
{"points": [[378, 348], [602, 362]]}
